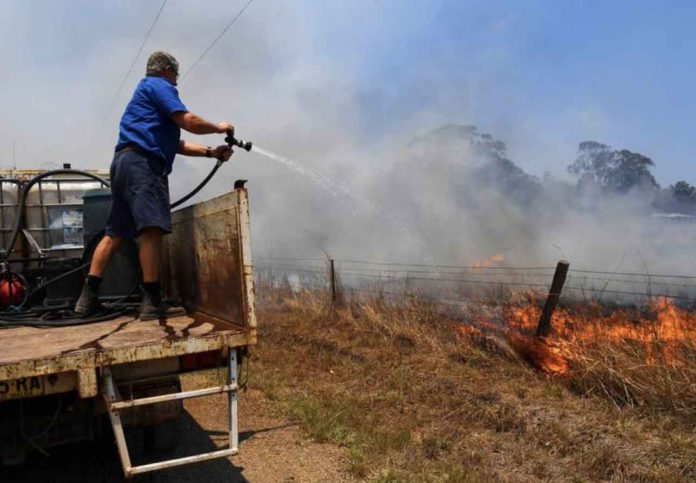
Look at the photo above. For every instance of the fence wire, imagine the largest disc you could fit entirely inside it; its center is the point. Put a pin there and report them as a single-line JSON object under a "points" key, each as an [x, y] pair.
{"points": [[449, 282]]}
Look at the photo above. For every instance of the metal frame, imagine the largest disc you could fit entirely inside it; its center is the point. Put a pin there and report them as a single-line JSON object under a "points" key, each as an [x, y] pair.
{"points": [[44, 206], [114, 404], [33, 243], [4, 205], [44, 232]]}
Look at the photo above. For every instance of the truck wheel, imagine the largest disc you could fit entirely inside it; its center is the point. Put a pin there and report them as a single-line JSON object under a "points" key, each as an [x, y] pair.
{"points": [[163, 437]]}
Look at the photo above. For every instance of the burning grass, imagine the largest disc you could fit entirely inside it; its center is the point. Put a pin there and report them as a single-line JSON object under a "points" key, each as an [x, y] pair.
{"points": [[645, 358], [415, 393]]}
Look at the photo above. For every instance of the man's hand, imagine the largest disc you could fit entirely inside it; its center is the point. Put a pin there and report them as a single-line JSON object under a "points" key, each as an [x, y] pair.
{"points": [[224, 128], [222, 152]]}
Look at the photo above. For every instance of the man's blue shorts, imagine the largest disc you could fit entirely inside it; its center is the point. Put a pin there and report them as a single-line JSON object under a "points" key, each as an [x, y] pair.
{"points": [[140, 195]]}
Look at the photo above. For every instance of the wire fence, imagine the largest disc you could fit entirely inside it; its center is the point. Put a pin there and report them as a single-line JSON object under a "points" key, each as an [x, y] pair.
{"points": [[461, 283]]}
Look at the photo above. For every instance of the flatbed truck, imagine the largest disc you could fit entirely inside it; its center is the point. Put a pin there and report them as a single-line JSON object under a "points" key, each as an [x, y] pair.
{"points": [[129, 369]]}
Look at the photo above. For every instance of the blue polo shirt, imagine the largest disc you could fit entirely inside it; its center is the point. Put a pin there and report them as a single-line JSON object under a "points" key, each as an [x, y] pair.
{"points": [[148, 124]]}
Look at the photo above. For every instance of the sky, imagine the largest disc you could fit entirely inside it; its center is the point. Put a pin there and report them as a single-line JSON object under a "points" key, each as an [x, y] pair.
{"points": [[541, 76], [342, 89]]}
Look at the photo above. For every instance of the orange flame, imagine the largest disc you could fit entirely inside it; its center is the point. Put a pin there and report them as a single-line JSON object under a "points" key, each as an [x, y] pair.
{"points": [[661, 335], [489, 262]]}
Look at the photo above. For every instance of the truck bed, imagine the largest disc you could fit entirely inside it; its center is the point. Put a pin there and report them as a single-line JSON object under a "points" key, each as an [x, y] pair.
{"points": [[74, 353], [206, 268]]}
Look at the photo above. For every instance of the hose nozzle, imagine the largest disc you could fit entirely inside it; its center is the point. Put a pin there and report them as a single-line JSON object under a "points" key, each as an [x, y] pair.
{"points": [[232, 141]]}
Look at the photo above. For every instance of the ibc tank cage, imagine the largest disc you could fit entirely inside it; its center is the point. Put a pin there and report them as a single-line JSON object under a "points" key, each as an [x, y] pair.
{"points": [[52, 225]]}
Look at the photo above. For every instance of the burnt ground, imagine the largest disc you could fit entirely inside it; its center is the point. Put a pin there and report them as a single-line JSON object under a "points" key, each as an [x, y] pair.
{"points": [[271, 449]]}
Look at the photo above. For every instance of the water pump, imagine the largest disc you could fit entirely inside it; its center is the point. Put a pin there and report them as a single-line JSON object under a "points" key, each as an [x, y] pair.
{"points": [[232, 141]]}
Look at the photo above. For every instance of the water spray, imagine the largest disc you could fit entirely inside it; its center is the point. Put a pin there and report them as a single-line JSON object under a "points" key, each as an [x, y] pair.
{"points": [[333, 187]]}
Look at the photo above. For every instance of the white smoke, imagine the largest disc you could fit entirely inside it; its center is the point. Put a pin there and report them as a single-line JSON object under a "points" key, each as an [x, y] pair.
{"points": [[413, 197]]}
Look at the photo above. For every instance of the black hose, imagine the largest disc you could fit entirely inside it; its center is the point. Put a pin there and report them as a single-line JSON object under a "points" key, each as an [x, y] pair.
{"points": [[197, 188], [57, 278]]}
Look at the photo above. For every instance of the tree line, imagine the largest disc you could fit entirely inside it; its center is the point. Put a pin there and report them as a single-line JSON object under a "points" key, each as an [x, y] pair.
{"points": [[619, 171], [599, 170]]}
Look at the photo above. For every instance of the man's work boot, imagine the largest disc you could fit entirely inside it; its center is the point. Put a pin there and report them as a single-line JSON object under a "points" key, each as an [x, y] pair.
{"points": [[151, 309], [88, 303]]}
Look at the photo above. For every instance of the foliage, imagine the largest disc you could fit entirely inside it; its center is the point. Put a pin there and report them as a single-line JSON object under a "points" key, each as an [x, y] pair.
{"points": [[598, 165], [494, 169], [617, 171], [684, 197]]}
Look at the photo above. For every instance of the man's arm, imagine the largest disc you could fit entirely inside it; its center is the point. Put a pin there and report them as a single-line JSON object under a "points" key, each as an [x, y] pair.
{"points": [[222, 152], [197, 125]]}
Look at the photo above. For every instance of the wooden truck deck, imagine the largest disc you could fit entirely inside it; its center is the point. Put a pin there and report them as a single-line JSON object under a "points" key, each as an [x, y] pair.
{"points": [[73, 354]]}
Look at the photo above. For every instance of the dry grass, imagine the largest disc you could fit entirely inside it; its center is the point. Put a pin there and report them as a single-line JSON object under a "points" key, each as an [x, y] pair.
{"points": [[413, 399], [632, 358], [621, 375]]}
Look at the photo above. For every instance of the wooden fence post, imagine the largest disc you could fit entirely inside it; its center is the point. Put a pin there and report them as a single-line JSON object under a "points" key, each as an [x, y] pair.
{"points": [[559, 278], [332, 271]]}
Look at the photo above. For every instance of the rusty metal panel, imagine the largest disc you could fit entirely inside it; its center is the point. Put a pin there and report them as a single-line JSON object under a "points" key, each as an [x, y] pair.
{"points": [[248, 291], [203, 269]]}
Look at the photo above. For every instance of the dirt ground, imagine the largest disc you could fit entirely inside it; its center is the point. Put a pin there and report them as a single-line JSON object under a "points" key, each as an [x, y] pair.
{"points": [[271, 450]]}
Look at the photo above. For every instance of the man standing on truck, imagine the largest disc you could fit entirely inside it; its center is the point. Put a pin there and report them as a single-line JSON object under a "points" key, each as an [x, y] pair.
{"points": [[149, 138]]}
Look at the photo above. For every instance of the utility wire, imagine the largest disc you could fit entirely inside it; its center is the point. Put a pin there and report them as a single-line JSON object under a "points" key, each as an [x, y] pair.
{"points": [[227, 27], [135, 59]]}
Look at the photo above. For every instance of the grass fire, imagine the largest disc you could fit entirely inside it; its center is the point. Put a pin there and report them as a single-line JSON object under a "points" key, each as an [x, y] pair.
{"points": [[415, 388]]}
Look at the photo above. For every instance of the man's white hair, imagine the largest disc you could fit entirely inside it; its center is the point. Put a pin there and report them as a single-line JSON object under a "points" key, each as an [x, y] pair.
{"points": [[159, 61]]}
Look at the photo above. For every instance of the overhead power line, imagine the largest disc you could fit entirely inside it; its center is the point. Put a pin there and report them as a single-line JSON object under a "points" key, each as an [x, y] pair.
{"points": [[135, 59], [224, 31]]}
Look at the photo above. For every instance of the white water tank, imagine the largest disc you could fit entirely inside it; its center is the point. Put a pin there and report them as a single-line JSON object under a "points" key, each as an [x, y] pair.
{"points": [[54, 211]]}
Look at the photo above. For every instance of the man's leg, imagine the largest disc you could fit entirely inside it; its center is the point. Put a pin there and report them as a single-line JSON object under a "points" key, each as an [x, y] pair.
{"points": [[151, 263], [151, 253], [89, 299], [102, 255]]}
